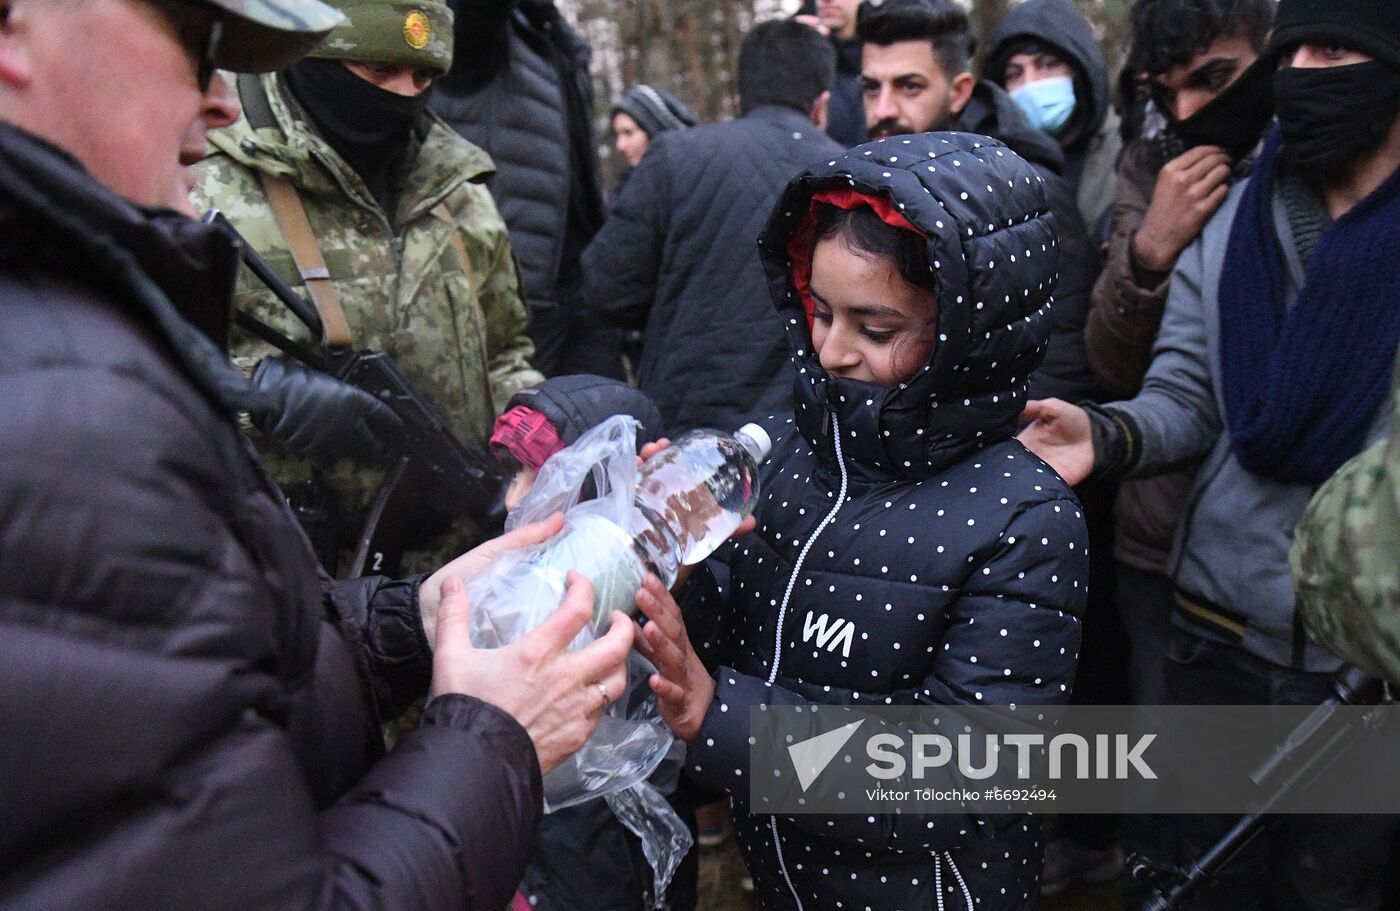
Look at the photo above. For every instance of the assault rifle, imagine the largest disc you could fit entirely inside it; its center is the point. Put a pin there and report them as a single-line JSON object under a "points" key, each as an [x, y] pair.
{"points": [[1303, 755], [431, 469]]}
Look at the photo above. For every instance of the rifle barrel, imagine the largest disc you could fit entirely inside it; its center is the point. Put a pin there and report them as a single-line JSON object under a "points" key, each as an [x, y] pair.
{"points": [[253, 260]]}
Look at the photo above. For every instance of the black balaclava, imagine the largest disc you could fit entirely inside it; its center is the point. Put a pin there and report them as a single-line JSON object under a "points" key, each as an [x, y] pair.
{"points": [[1331, 116], [1234, 119], [367, 126]]}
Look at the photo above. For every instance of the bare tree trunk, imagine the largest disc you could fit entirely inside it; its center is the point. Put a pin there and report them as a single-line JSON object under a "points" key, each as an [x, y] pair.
{"points": [[985, 16]]}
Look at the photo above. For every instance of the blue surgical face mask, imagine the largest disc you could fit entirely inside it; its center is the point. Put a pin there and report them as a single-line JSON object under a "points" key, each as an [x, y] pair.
{"points": [[1047, 102]]}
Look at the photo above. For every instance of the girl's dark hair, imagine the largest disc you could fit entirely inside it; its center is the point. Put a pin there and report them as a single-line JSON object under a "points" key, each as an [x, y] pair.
{"points": [[864, 231]]}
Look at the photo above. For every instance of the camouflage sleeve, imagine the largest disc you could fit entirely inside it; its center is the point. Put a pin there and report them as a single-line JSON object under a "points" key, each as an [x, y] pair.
{"points": [[509, 349], [1346, 558]]}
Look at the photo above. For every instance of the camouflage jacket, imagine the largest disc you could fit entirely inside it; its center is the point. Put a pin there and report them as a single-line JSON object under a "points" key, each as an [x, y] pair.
{"points": [[460, 340], [1346, 557]]}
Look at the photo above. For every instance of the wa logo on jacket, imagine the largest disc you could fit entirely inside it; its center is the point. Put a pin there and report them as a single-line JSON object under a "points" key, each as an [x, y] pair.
{"points": [[829, 635]]}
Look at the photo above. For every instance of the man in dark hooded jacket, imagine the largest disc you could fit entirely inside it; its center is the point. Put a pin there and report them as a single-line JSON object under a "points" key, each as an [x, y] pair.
{"points": [[519, 88], [676, 256], [916, 58], [1045, 55]]}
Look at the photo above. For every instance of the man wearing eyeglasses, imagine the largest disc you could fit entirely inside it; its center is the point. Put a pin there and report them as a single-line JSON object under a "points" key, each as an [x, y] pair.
{"points": [[191, 714]]}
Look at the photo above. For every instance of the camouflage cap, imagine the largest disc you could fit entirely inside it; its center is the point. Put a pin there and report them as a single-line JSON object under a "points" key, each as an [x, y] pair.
{"points": [[416, 34], [264, 35]]}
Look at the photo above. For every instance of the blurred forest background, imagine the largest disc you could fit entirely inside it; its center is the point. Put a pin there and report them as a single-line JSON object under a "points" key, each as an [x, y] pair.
{"points": [[691, 47]]}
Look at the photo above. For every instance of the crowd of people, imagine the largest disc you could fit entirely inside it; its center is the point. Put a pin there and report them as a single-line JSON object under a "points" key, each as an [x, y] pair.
{"points": [[1079, 384]]}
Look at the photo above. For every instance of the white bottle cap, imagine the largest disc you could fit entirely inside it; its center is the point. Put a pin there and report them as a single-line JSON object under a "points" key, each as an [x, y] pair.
{"points": [[761, 440]]}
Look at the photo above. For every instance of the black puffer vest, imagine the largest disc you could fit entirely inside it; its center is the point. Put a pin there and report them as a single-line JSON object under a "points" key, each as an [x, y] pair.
{"points": [[521, 118], [908, 549]]}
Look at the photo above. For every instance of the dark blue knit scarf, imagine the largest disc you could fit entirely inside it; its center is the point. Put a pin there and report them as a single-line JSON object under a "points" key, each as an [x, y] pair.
{"points": [[1302, 383]]}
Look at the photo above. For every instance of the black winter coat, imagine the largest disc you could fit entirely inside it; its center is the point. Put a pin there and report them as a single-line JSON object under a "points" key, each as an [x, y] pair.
{"points": [[520, 89], [846, 110], [191, 715], [1065, 373], [677, 257], [949, 563]]}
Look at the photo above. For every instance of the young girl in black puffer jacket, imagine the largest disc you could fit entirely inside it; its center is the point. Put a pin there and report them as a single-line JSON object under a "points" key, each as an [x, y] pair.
{"points": [[908, 548]]}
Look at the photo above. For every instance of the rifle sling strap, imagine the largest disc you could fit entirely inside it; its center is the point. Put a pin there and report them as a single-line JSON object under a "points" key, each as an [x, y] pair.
{"points": [[296, 227], [459, 247], [306, 253]]}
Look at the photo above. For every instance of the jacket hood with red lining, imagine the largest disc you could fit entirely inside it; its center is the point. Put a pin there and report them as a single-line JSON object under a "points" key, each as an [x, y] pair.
{"points": [[994, 249]]}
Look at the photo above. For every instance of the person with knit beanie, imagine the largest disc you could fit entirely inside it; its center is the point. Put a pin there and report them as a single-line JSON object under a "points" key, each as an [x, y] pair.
{"points": [[1271, 371], [642, 114]]}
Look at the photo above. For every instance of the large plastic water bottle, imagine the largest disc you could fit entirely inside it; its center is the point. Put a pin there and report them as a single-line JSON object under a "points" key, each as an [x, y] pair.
{"points": [[692, 496], [689, 499]]}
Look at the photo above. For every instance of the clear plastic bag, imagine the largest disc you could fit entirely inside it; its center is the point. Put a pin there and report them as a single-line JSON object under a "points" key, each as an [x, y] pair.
{"points": [[593, 482], [520, 589], [666, 839]]}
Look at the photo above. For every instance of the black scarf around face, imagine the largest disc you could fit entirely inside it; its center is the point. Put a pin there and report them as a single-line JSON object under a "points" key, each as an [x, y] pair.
{"points": [[1331, 116], [366, 125], [1234, 119]]}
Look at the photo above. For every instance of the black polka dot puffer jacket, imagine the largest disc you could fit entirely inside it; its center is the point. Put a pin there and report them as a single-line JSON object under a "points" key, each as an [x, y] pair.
{"points": [[909, 549]]}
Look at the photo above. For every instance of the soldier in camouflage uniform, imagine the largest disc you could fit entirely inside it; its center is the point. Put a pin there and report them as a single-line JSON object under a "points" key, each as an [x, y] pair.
{"points": [[1346, 557], [384, 225]]}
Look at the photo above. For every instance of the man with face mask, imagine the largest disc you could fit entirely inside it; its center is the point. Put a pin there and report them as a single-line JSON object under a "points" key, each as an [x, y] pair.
{"points": [[1045, 55], [338, 165], [1272, 366], [1199, 57]]}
